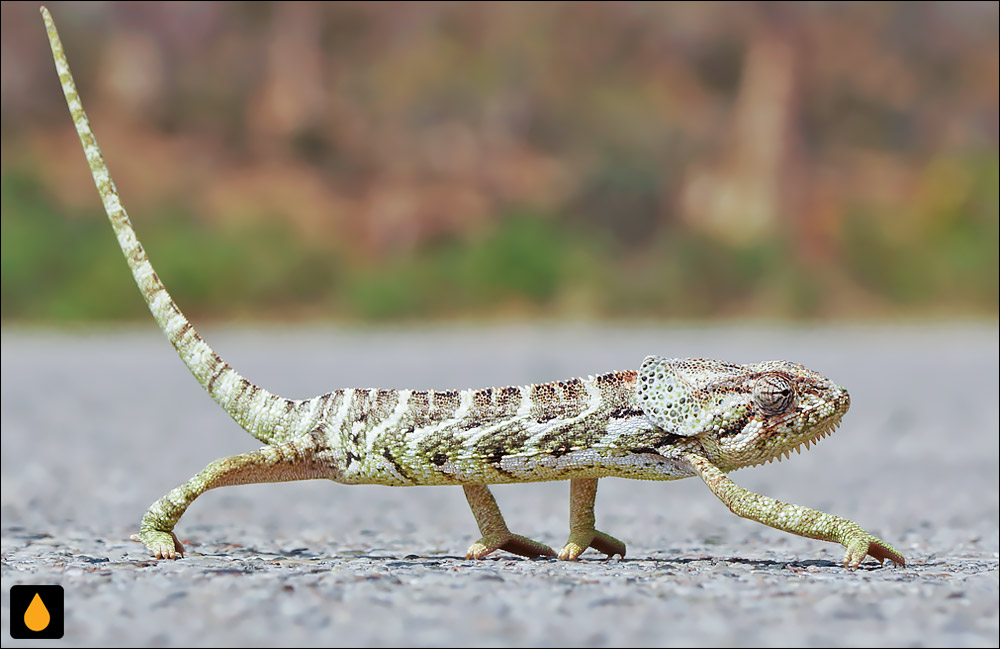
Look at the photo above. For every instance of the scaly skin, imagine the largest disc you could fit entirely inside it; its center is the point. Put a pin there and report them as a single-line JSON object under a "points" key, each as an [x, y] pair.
{"points": [[671, 419]]}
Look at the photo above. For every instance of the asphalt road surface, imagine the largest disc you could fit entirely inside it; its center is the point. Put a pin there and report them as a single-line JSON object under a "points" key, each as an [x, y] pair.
{"points": [[97, 425]]}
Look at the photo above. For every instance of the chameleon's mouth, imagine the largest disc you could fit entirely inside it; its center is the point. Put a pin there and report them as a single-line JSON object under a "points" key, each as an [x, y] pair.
{"points": [[825, 430]]}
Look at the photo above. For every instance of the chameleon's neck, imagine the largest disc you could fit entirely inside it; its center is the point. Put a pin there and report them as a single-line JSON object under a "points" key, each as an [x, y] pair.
{"points": [[255, 409]]}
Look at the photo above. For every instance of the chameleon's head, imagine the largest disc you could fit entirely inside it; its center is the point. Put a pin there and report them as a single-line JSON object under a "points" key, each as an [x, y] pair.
{"points": [[742, 414]]}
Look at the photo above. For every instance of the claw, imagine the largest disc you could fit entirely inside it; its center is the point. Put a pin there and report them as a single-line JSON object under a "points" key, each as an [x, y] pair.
{"points": [[868, 545], [162, 545], [600, 541], [571, 551], [513, 543]]}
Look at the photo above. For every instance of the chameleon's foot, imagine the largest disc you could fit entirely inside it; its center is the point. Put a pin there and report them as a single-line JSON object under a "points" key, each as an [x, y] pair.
{"points": [[513, 543], [861, 544], [580, 541], [162, 545]]}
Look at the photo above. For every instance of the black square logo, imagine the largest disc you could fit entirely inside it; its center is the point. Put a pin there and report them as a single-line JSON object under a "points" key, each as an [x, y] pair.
{"points": [[36, 612]]}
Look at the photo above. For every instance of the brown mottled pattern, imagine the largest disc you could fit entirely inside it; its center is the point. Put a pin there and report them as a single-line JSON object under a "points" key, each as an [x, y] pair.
{"points": [[558, 399], [574, 392], [617, 388], [444, 403], [508, 400], [419, 411], [482, 399], [492, 404]]}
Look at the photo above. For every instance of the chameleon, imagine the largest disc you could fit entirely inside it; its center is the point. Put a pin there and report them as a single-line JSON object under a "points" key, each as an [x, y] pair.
{"points": [[669, 419]]}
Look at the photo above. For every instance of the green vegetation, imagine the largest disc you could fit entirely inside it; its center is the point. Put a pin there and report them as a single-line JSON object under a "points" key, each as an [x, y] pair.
{"points": [[59, 267], [427, 161]]}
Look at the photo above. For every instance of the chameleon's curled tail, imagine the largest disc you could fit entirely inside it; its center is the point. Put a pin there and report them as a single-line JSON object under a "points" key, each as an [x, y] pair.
{"points": [[262, 414]]}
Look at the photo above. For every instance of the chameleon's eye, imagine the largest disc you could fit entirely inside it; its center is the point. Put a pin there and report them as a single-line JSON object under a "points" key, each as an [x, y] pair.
{"points": [[773, 394]]}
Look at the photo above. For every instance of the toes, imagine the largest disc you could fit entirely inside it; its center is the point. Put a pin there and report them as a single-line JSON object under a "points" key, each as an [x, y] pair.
{"points": [[884, 552], [162, 545], [873, 547], [607, 544], [852, 560], [571, 551], [600, 541], [478, 550], [513, 543], [527, 548]]}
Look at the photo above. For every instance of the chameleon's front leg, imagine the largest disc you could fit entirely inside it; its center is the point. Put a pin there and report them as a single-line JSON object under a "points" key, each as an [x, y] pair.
{"points": [[294, 460], [795, 518], [582, 492], [496, 536]]}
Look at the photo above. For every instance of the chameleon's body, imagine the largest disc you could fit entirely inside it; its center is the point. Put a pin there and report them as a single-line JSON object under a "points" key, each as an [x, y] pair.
{"points": [[670, 419]]}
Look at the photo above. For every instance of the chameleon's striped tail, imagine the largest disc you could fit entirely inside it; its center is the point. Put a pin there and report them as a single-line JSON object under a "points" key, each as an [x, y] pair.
{"points": [[261, 413]]}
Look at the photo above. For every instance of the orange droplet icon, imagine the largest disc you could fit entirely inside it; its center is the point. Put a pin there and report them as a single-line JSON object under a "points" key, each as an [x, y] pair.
{"points": [[36, 617]]}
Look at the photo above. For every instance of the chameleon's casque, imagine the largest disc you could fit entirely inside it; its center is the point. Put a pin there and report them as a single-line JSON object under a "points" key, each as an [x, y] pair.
{"points": [[673, 418]]}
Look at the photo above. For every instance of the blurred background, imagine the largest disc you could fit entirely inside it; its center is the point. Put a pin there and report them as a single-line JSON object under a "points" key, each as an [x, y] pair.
{"points": [[619, 160]]}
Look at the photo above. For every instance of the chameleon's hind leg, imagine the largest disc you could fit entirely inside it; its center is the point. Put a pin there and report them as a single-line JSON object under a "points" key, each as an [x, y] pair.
{"points": [[496, 536], [293, 460], [582, 492]]}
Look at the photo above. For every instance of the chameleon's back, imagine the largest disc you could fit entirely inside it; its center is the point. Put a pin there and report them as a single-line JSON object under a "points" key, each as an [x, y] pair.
{"points": [[547, 431]]}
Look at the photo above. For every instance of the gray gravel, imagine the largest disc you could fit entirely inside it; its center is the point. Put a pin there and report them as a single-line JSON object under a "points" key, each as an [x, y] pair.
{"points": [[98, 425]]}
